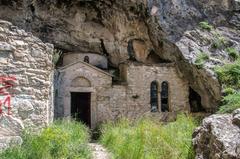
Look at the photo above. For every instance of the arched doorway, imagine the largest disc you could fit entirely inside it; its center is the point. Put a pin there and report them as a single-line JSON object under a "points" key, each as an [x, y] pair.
{"points": [[81, 101]]}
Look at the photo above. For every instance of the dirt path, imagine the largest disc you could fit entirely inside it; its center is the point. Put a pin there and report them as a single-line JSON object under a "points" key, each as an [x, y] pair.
{"points": [[99, 152]]}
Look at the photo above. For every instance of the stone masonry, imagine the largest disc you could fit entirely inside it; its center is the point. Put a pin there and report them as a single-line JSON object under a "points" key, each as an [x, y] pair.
{"points": [[130, 98], [26, 82]]}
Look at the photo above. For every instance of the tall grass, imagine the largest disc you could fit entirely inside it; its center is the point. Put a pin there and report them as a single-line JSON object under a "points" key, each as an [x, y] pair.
{"points": [[61, 140], [147, 139], [230, 103], [202, 57], [229, 76]]}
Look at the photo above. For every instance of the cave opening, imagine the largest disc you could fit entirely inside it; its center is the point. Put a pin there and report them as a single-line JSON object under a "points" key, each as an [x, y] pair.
{"points": [[195, 101]]}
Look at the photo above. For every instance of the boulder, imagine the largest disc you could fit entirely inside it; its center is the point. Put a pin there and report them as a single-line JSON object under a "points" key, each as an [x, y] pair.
{"points": [[218, 137]]}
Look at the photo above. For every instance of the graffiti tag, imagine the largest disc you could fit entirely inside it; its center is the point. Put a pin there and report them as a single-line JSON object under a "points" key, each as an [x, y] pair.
{"points": [[5, 84]]}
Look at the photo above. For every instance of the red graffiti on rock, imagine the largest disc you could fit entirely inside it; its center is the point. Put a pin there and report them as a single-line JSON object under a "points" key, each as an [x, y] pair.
{"points": [[6, 83]]}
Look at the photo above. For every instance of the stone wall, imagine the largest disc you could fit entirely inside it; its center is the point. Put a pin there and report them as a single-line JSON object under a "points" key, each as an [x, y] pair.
{"points": [[139, 77], [131, 98], [26, 82]]}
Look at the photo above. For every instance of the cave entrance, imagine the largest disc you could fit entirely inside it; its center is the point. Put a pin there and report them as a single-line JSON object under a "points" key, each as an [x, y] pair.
{"points": [[81, 107], [195, 101]]}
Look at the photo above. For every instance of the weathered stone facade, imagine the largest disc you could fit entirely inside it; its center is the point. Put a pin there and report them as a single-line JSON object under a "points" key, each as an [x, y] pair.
{"points": [[81, 77], [130, 98], [26, 82]]}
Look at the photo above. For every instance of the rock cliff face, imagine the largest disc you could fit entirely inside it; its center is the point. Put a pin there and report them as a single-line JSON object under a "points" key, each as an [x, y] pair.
{"points": [[120, 29], [218, 137]]}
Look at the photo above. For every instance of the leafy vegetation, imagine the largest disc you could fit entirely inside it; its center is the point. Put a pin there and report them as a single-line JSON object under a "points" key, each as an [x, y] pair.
{"points": [[229, 90], [205, 25], [219, 42], [63, 139], [232, 52], [202, 57], [56, 56], [230, 103], [229, 76], [147, 139]]}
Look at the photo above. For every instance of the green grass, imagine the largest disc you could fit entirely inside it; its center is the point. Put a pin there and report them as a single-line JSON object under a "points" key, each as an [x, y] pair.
{"points": [[147, 139], [61, 140], [229, 90], [230, 103], [219, 42], [229, 76], [232, 52], [205, 25], [202, 57]]}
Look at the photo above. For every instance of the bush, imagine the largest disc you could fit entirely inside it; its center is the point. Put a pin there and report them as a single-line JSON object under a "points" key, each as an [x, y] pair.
{"points": [[228, 91], [232, 52], [219, 42], [63, 139], [230, 103], [202, 57], [229, 74], [205, 25], [147, 139]]}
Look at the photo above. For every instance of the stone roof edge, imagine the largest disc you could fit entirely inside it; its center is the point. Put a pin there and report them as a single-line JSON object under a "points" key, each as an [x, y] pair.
{"points": [[93, 67]]}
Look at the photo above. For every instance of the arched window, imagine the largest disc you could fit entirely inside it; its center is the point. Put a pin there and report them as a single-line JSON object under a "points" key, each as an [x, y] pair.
{"points": [[86, 59], [164, 97], [154, 96]]}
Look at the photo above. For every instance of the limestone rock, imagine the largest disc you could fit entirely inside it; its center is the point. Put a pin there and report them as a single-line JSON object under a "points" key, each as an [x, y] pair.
{"points": [[236, 117], [9, 141], [10, 126], [6, 47], [218, 137]]}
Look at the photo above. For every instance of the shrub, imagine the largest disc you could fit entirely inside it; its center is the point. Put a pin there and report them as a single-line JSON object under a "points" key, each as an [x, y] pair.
{"points": [[229, 74], [147, 139], [232, 52], [63, 139], [202, 57], [230, 103], [219, 42], [229, 90], [205, 25]]}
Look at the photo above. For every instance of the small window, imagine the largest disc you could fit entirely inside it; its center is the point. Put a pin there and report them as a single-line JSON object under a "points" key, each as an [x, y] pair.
{"points": [[86, 59], [154, 96], [164, 97]]}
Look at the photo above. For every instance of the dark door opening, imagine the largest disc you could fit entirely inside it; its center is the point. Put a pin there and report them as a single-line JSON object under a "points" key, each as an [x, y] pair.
{"points": [[195, 101], [81, 107]]}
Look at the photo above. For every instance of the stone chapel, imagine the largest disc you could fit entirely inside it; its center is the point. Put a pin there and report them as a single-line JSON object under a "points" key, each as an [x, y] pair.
{"points": [[88, 91]]}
